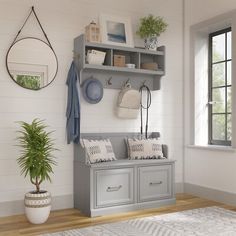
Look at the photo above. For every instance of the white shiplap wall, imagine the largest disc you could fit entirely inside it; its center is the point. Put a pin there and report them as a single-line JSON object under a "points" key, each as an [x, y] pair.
{"points": [[63, 20]]}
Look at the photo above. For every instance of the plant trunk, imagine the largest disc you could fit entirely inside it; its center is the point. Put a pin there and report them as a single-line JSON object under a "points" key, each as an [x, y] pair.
{"points": [[37, 185]]}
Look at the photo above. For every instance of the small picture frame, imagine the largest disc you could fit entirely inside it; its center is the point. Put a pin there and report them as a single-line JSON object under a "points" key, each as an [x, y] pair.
{"points": [[116, 30]]}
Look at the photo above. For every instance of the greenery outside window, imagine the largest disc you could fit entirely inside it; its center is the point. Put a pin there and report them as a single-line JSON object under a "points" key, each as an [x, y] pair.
{"points": [[220, 59], [29, 81]]}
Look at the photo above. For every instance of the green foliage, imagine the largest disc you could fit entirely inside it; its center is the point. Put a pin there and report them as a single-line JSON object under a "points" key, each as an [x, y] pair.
{"points": [[36, 158], [151, 26], [28, 81], [218, 96]]}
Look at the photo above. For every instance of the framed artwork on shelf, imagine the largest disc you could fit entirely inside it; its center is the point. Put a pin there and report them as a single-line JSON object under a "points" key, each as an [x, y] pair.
{"points": [[116, 30]]}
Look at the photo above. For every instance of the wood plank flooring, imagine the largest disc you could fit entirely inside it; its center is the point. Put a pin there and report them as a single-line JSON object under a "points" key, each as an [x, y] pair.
{"points": [[72, 218]]}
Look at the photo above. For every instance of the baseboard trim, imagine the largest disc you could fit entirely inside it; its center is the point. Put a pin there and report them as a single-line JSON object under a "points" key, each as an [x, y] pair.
{"points": [[17, 207], [58, 202], [211, 194], [179, 187]]}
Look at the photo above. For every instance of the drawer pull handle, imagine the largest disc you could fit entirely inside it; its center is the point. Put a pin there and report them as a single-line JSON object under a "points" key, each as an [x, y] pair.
{"points": [[113, 189], [156, 183]]}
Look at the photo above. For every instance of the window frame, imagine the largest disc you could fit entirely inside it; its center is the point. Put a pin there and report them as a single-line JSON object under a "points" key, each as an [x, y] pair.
{"points": [[212, 141]]}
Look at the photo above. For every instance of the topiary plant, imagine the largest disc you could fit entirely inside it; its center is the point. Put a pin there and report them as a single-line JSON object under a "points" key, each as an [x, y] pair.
{"points": [[36, 158], [151, 26]]}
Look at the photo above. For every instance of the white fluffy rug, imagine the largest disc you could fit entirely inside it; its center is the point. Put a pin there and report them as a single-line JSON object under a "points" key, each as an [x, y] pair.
{"points": [[212, 221]]}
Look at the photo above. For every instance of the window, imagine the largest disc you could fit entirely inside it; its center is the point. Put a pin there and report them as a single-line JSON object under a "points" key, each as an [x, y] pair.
{"points": [[220, 87]]}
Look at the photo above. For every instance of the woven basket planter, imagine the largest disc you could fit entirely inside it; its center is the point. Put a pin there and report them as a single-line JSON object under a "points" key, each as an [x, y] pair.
{"points": [[37, 206]]}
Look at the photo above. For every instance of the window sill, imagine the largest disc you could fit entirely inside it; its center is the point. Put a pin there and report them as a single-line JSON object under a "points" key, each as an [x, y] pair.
{"points": [[213, 148]]}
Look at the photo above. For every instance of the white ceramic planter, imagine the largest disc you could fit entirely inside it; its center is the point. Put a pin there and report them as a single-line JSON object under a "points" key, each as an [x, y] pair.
{"points": [[151, 43], [37, 206]]}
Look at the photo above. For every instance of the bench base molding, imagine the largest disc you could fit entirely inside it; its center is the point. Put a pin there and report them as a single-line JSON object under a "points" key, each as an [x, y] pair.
{"points": [[132, 207]]}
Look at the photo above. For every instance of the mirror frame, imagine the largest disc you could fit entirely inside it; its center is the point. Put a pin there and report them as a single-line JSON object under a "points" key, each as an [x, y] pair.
{"points": [[8, 51]]}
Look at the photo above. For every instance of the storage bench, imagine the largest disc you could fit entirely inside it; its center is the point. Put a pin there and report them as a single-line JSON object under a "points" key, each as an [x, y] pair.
{"points": [[122, 185]]}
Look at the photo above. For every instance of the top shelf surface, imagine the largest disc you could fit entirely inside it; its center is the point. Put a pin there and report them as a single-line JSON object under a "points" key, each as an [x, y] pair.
{"points": [[123, 69], [127, 162]]}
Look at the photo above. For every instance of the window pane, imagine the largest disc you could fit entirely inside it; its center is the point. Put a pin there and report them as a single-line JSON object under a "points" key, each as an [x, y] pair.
{"points": [[229, 127], [220, 86], [229, 45], [229, 73], [229, 99], [218, 74], [218, 127], [218, 48], [218, 98]]}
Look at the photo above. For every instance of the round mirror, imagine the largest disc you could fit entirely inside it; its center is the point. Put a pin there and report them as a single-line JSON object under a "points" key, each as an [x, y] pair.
{"points": [[31, 63]]}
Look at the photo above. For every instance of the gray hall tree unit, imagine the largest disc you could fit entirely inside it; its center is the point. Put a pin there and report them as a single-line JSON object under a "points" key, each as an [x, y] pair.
{"points": [[121, 185], [119, 75]]}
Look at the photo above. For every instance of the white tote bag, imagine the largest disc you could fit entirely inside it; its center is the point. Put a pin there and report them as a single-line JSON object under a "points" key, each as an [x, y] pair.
{"points": [[128, 103]]}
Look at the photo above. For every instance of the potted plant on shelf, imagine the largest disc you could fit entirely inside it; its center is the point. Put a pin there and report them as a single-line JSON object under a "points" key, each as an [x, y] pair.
{"points": [[36, 161], [149, 29]]}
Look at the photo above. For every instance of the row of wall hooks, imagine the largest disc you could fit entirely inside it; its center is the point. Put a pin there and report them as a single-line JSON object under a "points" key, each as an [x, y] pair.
{"points": [[109, 81]]}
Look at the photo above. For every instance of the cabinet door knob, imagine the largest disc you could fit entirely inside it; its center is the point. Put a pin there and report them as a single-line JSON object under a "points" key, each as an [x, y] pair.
{"points": [[114, 188], [155, 183]]}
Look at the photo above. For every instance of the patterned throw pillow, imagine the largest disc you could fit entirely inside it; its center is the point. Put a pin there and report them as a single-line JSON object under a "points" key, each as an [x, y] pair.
{"points": [[98, 150], [144, 149]]}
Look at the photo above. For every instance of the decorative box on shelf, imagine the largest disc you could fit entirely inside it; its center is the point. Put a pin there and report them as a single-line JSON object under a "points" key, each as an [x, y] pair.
{"points": [[149, 66], [119, 60]]}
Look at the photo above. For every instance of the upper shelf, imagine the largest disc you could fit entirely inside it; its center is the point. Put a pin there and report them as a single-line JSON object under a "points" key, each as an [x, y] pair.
{"points": [[122, 69], [136, 56]]}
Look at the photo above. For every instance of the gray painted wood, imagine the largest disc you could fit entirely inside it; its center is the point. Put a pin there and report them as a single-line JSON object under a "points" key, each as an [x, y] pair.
{"points": [[79, 52], [114, 187], [118, 78], [120, 75], [108, 68], [92, 181], [131, 207], [126, 163], [82, 187], [154, 182]]}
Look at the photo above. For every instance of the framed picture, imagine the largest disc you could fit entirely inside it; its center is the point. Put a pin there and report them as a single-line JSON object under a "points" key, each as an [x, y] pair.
{"points": [[116, 30]]}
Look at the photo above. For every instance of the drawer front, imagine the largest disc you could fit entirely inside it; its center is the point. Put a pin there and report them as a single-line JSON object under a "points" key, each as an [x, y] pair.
{"points": [[155, 183], [114, 187]]}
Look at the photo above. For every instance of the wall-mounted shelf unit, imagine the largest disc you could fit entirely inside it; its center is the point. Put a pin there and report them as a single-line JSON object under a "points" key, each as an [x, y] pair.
{"points": [[119, 75]]}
